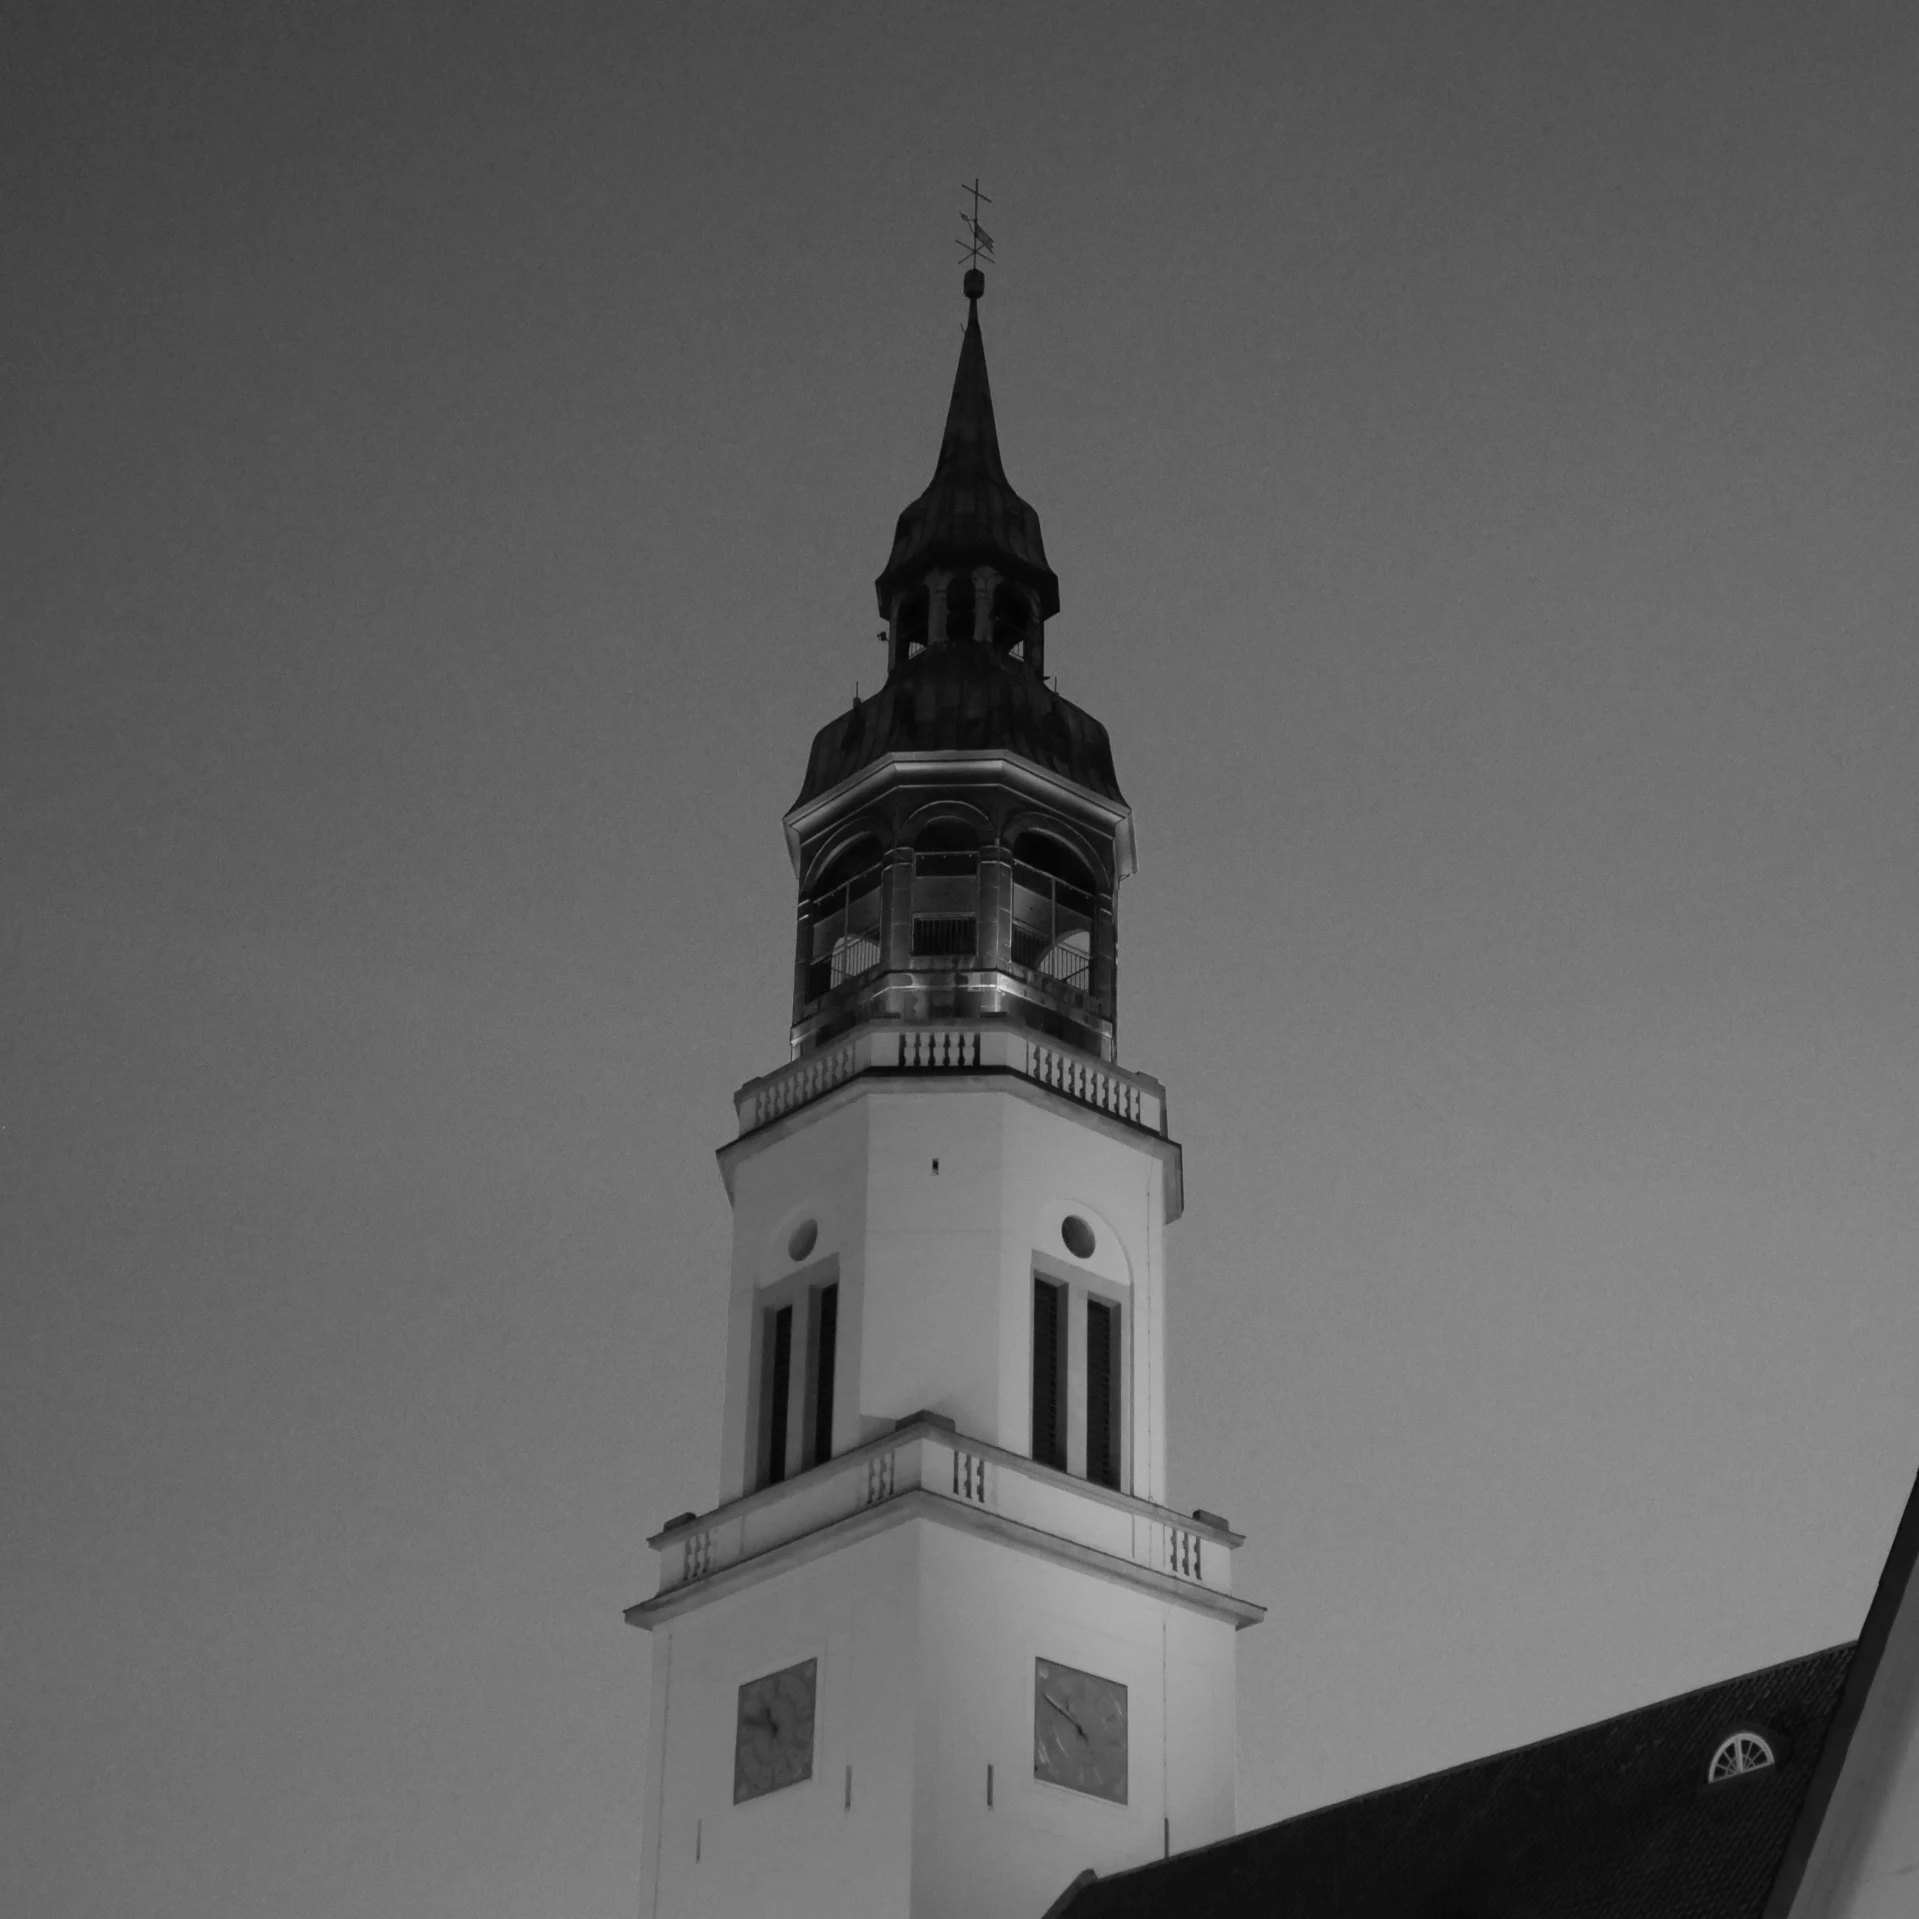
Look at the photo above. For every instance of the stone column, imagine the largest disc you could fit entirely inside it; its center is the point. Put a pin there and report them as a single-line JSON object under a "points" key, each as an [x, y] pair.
{"points": [[899, 918], [985, 578]]}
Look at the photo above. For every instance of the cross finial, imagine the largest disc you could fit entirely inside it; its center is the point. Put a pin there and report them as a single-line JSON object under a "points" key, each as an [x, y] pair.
{"points": [[977, 242]]}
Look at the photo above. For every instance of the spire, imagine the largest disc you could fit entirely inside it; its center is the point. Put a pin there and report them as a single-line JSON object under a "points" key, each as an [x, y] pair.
{"points": [[969, 514]]}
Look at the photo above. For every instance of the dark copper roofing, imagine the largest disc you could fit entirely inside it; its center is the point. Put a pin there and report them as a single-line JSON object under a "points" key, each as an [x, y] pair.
{"points": [[969, 514], [970, 699], [1615, 1821]]}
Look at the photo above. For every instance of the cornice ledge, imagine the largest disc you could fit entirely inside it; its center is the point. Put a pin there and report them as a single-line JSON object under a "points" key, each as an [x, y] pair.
{"points": [[920, 1503]]}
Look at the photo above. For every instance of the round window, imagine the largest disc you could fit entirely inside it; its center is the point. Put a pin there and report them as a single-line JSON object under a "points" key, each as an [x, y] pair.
{"points": [[804, 1238], [1079, 1236]]}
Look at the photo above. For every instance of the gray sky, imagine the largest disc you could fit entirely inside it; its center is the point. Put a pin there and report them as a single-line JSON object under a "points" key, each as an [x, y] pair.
{"points": [[446, 457]]}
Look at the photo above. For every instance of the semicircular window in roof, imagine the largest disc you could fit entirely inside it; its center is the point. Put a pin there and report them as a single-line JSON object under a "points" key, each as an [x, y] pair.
{"points": [[1743, 1752]]}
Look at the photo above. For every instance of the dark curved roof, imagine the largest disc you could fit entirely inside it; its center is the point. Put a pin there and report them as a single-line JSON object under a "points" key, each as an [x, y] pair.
{"points": [[969, 514], [1614, 1821], [970, 699]]}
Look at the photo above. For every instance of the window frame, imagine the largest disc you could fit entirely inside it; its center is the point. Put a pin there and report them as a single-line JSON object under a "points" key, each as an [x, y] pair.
{"points": [[803, 1292], [1082, 1285], [946, 883], [1059, 1296], [827, 972]]}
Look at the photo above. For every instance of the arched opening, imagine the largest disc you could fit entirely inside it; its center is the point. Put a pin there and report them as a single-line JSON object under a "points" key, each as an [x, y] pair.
{"points": [[1012, 619], [910, 623], [946, 891], [959, 608], [1055, 905], [844, 916]]}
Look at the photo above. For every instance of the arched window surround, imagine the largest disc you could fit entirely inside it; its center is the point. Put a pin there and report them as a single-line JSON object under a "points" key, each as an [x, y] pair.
{"points": [[1746, 1750], [1060, 906], [843, 912], [946, 884]]}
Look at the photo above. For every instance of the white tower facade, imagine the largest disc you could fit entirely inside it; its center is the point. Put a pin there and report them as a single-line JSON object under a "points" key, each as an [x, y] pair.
{"points": [[942, 1646]]}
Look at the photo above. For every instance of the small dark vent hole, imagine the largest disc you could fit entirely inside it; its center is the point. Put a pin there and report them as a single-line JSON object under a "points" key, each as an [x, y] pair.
{"points": [[1079, 1237], [805, 1237]]}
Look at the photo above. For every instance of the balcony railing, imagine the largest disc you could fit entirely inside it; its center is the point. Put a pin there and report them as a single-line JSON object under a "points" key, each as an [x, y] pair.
{"points": [[1068, 960], [1133, 1536], [1136, 1098], [853, 956]]}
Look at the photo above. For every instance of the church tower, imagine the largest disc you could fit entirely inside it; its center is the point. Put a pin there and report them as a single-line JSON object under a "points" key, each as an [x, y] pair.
{"points": [[942, 1645]]}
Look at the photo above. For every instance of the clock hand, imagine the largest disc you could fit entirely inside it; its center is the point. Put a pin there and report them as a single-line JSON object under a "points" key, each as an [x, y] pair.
{"points": [[1059, 1708]]}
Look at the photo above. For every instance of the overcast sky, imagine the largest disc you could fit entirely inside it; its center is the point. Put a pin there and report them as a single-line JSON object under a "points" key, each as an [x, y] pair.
{"points": [[446, 456]]}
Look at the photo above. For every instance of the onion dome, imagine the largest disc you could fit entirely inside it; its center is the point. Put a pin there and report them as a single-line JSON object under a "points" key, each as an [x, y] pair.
{"points": [[967, 699]]}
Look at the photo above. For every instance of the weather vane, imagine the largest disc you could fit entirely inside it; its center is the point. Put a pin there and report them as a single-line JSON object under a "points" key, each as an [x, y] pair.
{"points": [[978, 241]]}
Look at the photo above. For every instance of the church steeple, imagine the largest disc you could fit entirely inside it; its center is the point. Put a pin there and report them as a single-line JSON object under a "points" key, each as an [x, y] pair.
{"points": [[968, 562], [960, 836], [942, 1645]]}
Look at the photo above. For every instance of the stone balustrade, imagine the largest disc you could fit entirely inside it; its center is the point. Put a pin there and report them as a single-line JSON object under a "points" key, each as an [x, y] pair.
{"points": [[923, 1456], [976, 1047]]}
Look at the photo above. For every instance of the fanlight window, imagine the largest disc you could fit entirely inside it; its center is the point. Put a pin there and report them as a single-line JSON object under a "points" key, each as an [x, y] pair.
{"points": [[1054, 904], [1743, 1752], [845, 916], [946, 892]]}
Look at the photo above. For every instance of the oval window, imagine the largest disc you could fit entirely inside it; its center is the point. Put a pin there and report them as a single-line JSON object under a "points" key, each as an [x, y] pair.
{"points": [[804, 1237], [1079, 1236]]}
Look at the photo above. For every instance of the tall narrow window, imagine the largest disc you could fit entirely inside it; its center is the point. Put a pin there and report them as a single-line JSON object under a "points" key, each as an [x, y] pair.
{"points": [[779, 1386], [1049, 1373], [824, 1342], [1102, 1398]]}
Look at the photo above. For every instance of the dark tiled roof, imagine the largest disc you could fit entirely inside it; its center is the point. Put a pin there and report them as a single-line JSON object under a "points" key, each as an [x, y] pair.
{"points": [[969, 514], [967, 698], [1614, 1821]]}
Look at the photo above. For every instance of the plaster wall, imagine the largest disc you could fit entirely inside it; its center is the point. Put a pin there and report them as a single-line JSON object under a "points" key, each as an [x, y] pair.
{"points": [[829, 1845], [935, 1267], [987, 1613], [926, 1638]]}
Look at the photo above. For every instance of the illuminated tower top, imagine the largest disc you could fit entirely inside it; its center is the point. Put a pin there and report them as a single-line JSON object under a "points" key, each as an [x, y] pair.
{"points": [[960, 836]]}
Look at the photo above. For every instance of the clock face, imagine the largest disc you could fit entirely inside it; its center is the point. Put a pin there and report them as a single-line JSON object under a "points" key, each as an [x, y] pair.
{"points": [[1079, 1730], [774, 1743]]}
